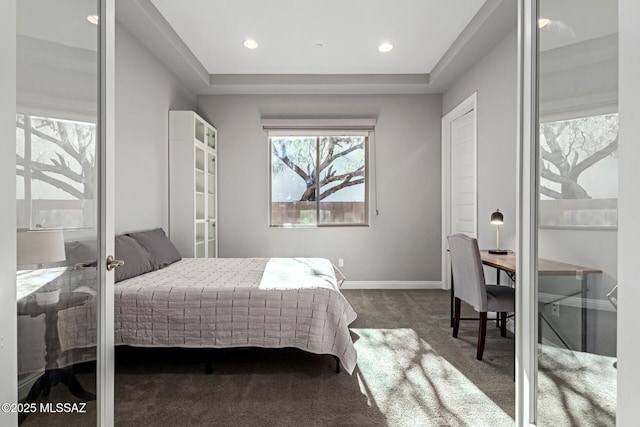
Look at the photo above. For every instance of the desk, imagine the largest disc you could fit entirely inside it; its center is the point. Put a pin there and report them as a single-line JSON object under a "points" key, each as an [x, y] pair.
{"points": [[507, 263]]}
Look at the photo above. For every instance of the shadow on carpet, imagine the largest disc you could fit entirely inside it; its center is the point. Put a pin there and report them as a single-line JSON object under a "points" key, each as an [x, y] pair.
{"points": [[576, 389], [400, 381]]}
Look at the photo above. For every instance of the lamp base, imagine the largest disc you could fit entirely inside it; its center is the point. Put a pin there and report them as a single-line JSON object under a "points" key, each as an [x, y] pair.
{"points": [[498, 251]]}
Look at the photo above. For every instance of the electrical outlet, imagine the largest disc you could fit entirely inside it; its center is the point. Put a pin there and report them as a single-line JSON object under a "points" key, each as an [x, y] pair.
{"points": [[555, 309], [340, 262]]}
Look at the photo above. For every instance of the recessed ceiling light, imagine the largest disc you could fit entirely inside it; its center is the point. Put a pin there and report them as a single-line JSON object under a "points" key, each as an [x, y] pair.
{"points": [[385, 47], [543, 22], [94, 19], [250, 44]]}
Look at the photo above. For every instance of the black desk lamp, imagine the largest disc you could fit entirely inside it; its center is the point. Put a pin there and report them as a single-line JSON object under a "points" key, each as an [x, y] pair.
{"points": [[497, 219]]}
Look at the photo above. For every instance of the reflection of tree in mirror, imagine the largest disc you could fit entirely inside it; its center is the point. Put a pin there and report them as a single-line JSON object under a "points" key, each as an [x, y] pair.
{"points": [[62, 154], [570, 147], [341, 162]]}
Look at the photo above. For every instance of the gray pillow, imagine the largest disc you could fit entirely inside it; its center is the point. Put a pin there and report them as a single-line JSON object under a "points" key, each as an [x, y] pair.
{"points": [[159, 246], [137, 259], [81, 251]]}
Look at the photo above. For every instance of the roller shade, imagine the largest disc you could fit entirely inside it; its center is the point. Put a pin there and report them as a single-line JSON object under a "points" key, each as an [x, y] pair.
{"points": [[318, 124]]}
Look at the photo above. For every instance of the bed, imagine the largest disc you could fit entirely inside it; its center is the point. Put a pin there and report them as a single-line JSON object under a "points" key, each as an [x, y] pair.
{"points": [[237, 302], [162, 300]]}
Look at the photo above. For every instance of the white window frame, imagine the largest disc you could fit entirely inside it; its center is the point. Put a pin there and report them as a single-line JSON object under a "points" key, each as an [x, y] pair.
{"points": [[316, 133]]}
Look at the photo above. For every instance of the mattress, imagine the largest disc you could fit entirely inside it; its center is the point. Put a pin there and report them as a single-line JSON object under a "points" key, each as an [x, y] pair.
{"points": [[237, 302]]}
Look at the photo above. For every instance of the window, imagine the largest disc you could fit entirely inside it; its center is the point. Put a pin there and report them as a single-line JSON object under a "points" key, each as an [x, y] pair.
{"points": [[318, 179], [579, 172], [56, 172]]}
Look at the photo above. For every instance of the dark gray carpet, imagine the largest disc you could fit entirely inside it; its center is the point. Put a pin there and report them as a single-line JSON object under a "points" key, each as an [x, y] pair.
{"points": [[410, 372]]}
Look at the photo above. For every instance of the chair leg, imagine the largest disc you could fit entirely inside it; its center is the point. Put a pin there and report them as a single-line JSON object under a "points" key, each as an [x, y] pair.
{"points": [[456, 317], [482, 332], [503, 324]]}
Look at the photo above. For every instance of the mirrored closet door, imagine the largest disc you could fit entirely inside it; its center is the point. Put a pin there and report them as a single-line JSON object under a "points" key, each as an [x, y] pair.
{"points": [[58, 210], [577, 212]]}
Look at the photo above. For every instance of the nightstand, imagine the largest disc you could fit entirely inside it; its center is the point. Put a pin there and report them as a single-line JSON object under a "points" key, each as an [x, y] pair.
{"points": [[53, 374]]}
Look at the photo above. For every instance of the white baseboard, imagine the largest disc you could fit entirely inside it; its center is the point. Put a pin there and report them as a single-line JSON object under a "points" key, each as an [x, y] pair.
{"points": [[391, 284]]}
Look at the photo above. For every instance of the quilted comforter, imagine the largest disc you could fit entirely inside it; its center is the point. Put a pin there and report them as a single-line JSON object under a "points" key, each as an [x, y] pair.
{"points": [[237, 302]]}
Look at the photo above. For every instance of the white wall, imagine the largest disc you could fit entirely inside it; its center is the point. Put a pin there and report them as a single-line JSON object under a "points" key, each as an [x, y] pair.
{"points": [[401, 244], [494, 78], [628, 224], [54, 80], [8, 343], [579, 79], [145, 92]]}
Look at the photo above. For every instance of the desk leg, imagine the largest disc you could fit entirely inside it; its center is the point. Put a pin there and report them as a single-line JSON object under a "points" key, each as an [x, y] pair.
{"points": [[584, 313], [498, 283]]}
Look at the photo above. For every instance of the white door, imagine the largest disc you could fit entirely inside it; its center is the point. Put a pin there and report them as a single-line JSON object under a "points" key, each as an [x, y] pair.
{"points": [[463, 175], [459, 177]]}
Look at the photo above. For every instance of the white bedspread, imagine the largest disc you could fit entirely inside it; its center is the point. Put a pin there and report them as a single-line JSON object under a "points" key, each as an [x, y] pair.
{"points": [[237, 302]]}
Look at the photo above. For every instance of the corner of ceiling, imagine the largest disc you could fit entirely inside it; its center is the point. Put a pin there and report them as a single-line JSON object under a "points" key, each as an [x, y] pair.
{"points": [[148, 25], [494, 20]]}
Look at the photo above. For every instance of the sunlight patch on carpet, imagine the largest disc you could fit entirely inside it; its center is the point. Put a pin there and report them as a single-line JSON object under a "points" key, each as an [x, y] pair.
{"points": [[413, 385], [576, 388]]}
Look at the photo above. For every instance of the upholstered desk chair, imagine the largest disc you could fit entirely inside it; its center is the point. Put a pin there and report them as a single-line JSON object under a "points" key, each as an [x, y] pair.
{"points": [[470, 287]]}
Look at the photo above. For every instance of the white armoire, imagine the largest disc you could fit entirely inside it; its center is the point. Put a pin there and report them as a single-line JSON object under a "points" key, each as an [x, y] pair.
{"points": [[193, 185]]}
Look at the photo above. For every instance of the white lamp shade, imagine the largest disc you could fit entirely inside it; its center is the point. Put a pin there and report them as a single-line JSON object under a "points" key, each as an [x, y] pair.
{"points": [[40, 247]]}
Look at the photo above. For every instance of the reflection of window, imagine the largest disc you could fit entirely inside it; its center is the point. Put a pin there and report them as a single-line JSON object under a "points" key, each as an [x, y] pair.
{"points": [[579, 171], [318, 180], [56, 172]]}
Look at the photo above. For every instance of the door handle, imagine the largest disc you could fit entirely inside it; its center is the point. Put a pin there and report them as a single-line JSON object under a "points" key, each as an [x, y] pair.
{"points": [[113, 263]]}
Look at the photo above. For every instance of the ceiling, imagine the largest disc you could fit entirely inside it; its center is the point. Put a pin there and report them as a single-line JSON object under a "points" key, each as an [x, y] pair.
{"points": [[289, 32], [62, 21], [576, 21], [435, 41], [200, 41]]}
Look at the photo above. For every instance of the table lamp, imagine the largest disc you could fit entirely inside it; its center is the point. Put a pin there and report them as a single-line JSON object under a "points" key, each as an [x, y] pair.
{"points": [[40, 247], [497, 219]]}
